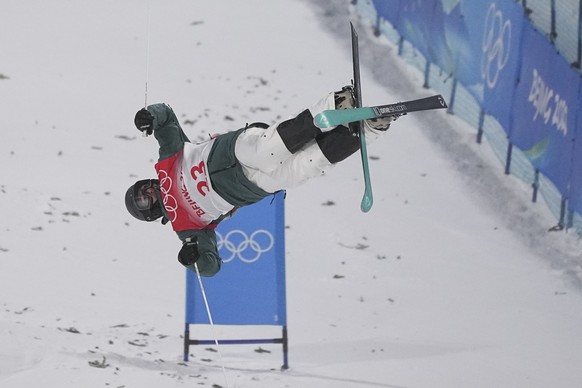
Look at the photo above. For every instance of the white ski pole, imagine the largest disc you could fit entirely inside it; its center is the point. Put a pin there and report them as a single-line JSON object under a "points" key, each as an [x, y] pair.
{"points": [[211, 324]]}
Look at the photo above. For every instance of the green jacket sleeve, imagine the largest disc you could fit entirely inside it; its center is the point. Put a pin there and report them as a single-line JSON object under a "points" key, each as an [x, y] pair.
{"points": [[167, 130], [171, 139], [209, 262]]}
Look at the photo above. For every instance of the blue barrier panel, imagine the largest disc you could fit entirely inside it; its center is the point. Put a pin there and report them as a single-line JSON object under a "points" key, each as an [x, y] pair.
{"points": [[489, 55], [250, 287], [482, 44], [387, 9], [476, 42], [415, 25], [575, 202], [546, 98], [450, 40]]}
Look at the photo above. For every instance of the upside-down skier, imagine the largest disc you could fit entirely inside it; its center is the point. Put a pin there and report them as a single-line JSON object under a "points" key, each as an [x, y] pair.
{"points": [[200, 184]]}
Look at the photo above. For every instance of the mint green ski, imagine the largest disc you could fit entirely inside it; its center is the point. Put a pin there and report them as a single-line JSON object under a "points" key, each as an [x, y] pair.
{"points": [[335, 117], [357, 127]]}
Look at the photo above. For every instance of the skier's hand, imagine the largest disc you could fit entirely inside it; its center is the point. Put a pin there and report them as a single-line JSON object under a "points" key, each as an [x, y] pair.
{"points": [[189, 254], [144, 121]]}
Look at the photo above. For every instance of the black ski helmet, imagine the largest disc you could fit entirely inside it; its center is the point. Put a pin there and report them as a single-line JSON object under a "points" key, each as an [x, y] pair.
{"points": [[139, 206]]}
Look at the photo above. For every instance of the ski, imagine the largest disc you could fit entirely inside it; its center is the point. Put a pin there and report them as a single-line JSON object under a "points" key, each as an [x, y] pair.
{"points": [[334, 117], [357, 127]]}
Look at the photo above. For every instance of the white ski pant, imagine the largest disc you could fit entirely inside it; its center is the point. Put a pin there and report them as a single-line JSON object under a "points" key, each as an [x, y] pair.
{"points": [[268, 163]]}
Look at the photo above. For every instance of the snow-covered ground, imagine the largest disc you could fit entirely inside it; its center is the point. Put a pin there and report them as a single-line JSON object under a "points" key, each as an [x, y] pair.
{"points": [[450, 281]]}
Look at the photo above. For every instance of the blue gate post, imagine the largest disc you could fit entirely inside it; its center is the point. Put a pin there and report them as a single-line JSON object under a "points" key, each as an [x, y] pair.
{"points": [[453, 95], [480, 126], [508, 158], [553, 33], [535, 185]]}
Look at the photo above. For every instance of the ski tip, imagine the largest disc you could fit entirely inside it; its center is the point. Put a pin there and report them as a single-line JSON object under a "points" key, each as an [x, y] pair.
{"points": [[366, 204], [442, 101], [321, 121]]}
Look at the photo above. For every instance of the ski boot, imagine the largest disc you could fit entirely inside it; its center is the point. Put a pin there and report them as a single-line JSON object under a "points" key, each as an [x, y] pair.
{"points": [[380, 124], [345, 98]]}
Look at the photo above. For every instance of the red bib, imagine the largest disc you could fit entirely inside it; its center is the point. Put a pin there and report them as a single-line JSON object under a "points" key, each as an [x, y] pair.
{"points": [[186, 190]]}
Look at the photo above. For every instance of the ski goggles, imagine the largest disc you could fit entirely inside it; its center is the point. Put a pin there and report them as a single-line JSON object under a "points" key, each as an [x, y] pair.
{"points": [[144, 195]]}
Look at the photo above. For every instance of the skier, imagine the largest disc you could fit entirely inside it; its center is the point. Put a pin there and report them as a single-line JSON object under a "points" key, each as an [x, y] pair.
{"points": [[200, 184]]}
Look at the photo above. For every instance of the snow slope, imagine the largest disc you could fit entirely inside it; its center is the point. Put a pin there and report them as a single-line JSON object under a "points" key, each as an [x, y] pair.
{"points": [[450, 281]]}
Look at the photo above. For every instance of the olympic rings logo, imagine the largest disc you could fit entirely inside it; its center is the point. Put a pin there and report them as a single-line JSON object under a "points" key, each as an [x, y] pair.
{"points": [[247, 249], [496, 44], [169, 201]]}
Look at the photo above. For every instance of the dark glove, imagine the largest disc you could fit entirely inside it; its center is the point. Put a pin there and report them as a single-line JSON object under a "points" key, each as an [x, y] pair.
{"points": [[189, 254], [144, 121]]}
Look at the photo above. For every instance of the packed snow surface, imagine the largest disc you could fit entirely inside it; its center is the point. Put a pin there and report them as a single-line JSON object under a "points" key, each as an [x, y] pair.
{"points": [[452, 279]]}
